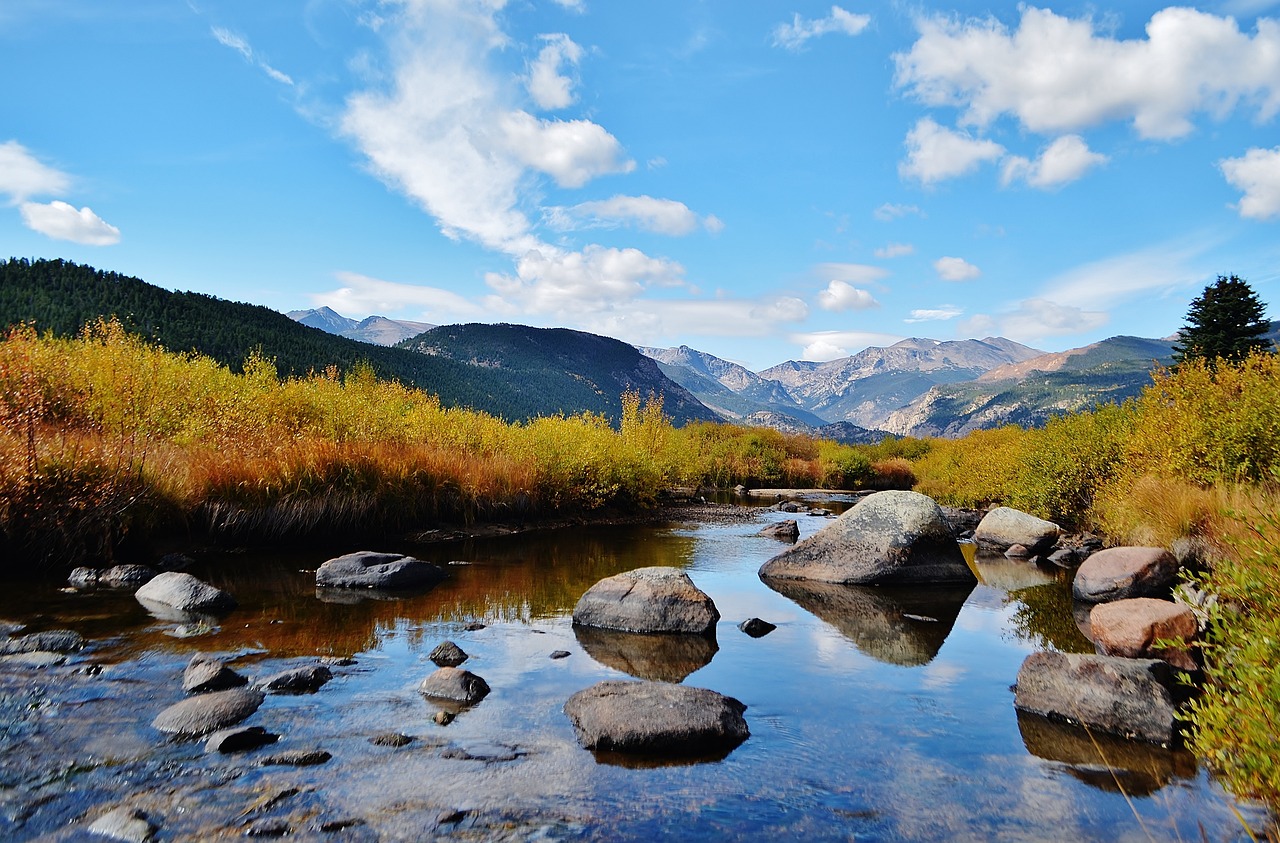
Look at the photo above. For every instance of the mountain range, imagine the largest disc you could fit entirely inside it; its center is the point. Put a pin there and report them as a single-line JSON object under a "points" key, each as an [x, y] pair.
{"points": [[378, 330]]}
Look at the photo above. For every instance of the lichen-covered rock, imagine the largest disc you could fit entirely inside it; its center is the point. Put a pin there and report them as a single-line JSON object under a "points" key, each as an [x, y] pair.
{"points": [[389, 571], [887, 538], [454, 684], [1003, 527], [184, 593], [1130, 629], [205, 673], [200, 715], [1119, 573], [656, 717], [647, 600]]}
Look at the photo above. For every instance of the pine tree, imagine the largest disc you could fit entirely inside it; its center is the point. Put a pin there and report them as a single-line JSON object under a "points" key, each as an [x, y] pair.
{"points": [[1226, 322]]}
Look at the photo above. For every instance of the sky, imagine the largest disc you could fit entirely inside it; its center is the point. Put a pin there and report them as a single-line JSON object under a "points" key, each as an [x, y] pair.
{"points": [[764, 181]]}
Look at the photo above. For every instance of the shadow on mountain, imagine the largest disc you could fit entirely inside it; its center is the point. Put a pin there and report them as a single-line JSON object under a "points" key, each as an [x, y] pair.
{"points": [[669, 657]]}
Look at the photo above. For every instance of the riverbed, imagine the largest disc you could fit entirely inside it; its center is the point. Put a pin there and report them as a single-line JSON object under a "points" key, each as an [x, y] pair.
{"points": [[875, 714]]}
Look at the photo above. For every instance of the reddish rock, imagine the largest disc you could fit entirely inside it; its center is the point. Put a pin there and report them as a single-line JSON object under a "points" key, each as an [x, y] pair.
{"points": [[1119, 573], [1130, 628]]}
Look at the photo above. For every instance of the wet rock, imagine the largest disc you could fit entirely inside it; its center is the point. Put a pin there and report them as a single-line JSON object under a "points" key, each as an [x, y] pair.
{"points": [[443, 717], [338, 661], [788, 507], [787, 531], [10, 628], [1004, 526], [474, 626], [655, 717], [1118, 573], [34, 660], [1017, 551], [207, 713], [655, 599], [205, 673], [126, 576], [297, 758], [451, 683], [756, 628], [239, 739], [51, 641], [559, 654], [887, 538], [1130, 629], [268, 827], [184, 593], [366, 569], [299, 680], [1065, 557], [1132, 698], [448, 654], [392, 739], [125, 823], [83, 578], [666, 657]]}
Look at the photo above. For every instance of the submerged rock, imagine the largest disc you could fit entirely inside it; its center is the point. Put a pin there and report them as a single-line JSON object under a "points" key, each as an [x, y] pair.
{"points": [[1003, 527], [655, 717], [646, 600], [1118, 573], [184, 593], [454, 684], [200, 715], [50, 641], [299, 680], [297, 758], [887, 538], [366, 569], [787, 531]]}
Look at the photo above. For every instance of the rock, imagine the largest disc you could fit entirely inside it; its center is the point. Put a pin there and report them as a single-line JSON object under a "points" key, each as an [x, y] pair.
{"points": [[787, 531], [1118, 573], [819, 512], [790, 508], [392, 739], [443, 717], [126, 576], [206, 673], [560, 654], [647, 600], [51, 641], [200, 715], [11, 628], [448, 654], [299, 680], [268, 827], [35, 659], [1196, 552], [1004, 526], [1065, 557], [1132, 698], [474, 626], [83, 578], [184, 593], [756, 628], [175, 562], [656, 717], [338, 661], [239, 739], [1017, 551], [451, 683], [125, 823], [1130, 628], [297, 758], [887, 538], [366, 569], [963, 521], [668, 657]]}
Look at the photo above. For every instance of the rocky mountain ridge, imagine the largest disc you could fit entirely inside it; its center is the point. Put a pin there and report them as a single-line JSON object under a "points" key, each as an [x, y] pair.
{"points": [[378, 330]]}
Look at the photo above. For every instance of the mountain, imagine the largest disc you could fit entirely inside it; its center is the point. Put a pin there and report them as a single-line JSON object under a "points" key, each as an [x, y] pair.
{"points": [[845, 433], [378, 330], [866, 387], [60, 296], [731, 390], [583, 370]]}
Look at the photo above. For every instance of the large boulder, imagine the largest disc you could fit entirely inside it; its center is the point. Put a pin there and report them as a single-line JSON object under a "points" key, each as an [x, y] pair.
{"points": [[1003, 527], [205, 673], [184, 593], [207, 713], [1119, 573], [1130, 629], [648, 600], [389, 571], [888, 538], [1132, 698], [50, 641], [299, 680], [455, 685], [656, 717]]}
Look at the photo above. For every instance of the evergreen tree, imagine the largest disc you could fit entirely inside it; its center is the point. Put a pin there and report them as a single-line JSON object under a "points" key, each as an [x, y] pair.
{"points": [[1226, 322]]}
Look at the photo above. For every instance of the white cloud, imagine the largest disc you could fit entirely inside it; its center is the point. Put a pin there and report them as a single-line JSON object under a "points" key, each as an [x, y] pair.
{"points": [[794, 35], [661, 216], [856, 273], [1160, 269], [890, 211], [1056, 74], [1065, 160], [840, 296], [227, 38], [572, 5], [579, 283], [63, 222], [821, 346], [1257, 175], [573, 152], [1036, 319], [361, 295], [940, 314], [549, 87], [955, 269], [23, 176], [895, 250], [935, 153]]}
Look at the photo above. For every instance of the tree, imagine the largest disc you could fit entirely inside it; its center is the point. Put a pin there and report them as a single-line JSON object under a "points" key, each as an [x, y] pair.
{"points": [[1226, 322]]}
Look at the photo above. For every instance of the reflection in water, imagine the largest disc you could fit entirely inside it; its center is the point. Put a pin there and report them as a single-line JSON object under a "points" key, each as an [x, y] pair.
{"points": [[1044, 615], [1105, 761], [668, 657], [895, 624]]}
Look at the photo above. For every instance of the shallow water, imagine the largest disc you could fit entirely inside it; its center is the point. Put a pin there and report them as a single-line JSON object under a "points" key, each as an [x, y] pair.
{"points": [[875, 714]]}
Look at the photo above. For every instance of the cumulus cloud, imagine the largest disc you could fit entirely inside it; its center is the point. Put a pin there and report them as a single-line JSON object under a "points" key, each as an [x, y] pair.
{"points": [[793, 36], [890, 211], [1056, 74], [935, 153], [660, 216], [822, 346], [573, 152], [955, 269], [939, 314], [841, 295], [227, 38], [23, 176], [361, 295], [1036, 319], [895, 250], [550, 88], [577, 283], [61, 221], [1065, 160], [1257, 176]]}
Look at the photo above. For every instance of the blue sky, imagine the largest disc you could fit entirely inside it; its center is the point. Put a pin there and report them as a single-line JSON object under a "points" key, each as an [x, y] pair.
{"points": [[763, 181]]}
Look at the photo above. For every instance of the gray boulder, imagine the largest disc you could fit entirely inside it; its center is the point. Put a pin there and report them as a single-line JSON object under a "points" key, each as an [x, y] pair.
{"points": [[239, 739], [365, 569], [126, 576], [50, 641], [299, 680], [1003, 527], [448, 654], [887, 538], [1119, 573], [124, 823], [83, 578], [787, 531], [184, 593], [1132, 698], [455, 685], [200, 715], [656, 717], [648, 600], [205, 673]]}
